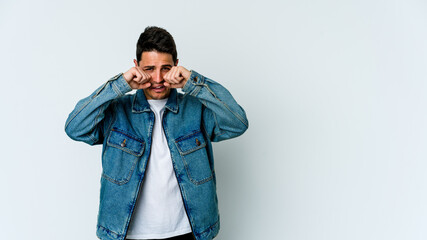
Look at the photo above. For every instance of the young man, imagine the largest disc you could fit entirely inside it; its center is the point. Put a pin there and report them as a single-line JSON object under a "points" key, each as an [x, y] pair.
{"points": [[158, 178]]}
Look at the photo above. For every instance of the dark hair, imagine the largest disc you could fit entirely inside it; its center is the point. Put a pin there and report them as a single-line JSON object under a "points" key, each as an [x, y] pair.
{"points": [[156, 39]]}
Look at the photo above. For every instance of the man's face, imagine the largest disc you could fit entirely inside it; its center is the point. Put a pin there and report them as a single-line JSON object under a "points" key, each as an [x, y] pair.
{"points": [[156, 64]]}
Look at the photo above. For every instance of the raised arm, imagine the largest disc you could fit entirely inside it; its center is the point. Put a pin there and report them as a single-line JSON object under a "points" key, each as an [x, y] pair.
{"points": [[223, 117], [85, 123]]}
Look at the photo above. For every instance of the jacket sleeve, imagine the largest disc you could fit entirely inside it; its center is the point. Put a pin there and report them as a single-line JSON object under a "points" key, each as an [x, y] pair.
{"points": [[223, 118], [85, 123]]}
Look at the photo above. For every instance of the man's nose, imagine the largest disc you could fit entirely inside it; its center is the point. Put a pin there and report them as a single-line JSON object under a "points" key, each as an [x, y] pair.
{"points": [[157, 77]]}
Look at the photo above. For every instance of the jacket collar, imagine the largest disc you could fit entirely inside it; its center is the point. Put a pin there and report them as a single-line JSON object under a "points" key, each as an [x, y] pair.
{"points": [[140, 103]]}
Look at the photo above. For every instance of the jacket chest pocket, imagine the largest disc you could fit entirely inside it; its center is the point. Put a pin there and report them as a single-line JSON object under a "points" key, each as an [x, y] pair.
{"points": [[121, 156], [192, 149]]}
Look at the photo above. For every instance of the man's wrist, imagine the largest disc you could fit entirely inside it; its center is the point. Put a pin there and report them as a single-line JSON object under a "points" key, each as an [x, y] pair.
{"points": [[194, 82], [120, 84]]}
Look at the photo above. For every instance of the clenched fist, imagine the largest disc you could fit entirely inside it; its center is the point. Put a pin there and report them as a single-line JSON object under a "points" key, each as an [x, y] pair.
{"points": [[137, 79], [176, 77]]}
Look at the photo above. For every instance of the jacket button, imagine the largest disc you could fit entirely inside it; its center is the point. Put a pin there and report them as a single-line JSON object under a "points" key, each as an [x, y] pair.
{"points": [[195, 79], [197, 142]]}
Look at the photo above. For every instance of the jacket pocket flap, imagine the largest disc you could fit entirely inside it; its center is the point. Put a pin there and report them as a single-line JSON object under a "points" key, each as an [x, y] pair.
{"points": [[190, 143], [126, 142]]}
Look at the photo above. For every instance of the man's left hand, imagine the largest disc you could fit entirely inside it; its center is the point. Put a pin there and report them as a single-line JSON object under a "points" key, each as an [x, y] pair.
{"points": [[176, 77]]}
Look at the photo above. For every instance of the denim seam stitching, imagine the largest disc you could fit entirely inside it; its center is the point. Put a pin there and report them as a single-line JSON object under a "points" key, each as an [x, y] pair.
{"points": [[209, 228], [123, 181], [206, 132], [220, 132], [75, 115], [91, 138], [116, 88], [113, 118], [201, 181], [136, 154], [90, 100], [225, 105], [99, 91], [191, 150], [108, 230], [101, 110], [127, 135], [196, 90], [135, 160], [186, 136]]}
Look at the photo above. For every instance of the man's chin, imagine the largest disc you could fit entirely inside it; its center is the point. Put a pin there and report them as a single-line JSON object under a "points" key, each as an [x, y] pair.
{"points": [[152, 95]]}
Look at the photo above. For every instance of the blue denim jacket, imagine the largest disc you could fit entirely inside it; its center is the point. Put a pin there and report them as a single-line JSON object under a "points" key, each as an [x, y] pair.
{"points": [[205, 113]]}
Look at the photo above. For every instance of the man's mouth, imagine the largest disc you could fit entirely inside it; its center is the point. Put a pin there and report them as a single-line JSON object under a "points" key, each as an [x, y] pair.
{"points": [[158, 88]]}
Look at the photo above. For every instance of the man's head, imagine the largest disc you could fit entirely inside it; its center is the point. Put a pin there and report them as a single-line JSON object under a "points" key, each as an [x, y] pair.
{"points": [[156, 54], [156, 39]]}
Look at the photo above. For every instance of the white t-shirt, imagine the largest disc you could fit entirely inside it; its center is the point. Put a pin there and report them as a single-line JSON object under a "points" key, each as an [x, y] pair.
{"points": [[159, 211]]}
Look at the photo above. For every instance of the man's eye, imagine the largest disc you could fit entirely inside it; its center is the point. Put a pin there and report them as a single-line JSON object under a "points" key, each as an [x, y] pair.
{"points": [[166, 69], [148, 69]]}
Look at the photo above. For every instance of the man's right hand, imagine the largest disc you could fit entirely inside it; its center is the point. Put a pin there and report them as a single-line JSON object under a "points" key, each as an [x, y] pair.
{"points": [[137, 79]]}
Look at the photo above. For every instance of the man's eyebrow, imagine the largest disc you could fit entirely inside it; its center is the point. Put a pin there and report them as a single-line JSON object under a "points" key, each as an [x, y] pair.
{"points": [[150, 66]]}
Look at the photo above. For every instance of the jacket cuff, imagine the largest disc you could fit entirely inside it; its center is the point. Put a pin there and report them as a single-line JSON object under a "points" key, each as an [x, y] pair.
{"points": [[194, 83], [120, 86]]}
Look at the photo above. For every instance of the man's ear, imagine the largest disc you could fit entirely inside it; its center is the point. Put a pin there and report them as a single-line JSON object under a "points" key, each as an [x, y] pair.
{"points": [[136, 63], [177, 60]]}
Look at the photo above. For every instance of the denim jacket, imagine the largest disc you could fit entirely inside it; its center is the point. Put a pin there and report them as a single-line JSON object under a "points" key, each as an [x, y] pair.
{"points": [[123, 124]]}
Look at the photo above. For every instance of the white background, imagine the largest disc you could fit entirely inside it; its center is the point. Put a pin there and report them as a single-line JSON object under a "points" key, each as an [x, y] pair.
{"points": [[335, 93]]}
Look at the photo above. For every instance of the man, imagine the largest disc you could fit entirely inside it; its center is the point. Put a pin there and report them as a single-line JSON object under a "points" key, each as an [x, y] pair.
{"points": [[158, 178]]}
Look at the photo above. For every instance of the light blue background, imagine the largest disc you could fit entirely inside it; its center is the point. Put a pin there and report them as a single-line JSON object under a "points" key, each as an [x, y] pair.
{"points": [[335, 92]]}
